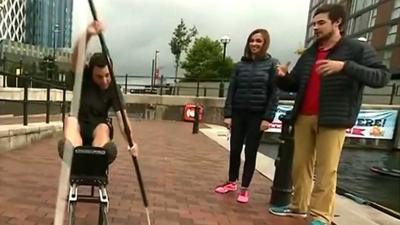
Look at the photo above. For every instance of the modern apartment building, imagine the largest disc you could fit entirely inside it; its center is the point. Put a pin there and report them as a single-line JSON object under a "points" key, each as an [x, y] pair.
{"points": [[49, 23], [12, 19], [378, 21]]}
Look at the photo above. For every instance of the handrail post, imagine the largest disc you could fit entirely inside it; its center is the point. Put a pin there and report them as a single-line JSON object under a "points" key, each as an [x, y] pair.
{"points": [[198, 86], [221, 89], [64, 100], [48, 104], [195, 128], [4, 71], [25, 102], [393, 94], [126, 83], [161, 84]]}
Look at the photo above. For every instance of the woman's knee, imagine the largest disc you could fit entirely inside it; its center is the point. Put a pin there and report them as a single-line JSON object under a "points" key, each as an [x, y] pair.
{"points": [[101, 135], [112, 151], [102, 128]]}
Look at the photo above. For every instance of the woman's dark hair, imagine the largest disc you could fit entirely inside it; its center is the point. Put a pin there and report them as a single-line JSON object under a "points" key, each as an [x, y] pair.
{"points": [[335, 13]]}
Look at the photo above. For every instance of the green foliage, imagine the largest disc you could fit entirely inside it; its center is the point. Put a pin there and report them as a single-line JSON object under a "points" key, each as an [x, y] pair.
{"points": [[181, 39], [205, 61]]}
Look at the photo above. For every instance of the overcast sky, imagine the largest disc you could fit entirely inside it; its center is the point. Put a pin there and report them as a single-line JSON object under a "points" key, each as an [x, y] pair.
{"points": [[135, 29]]}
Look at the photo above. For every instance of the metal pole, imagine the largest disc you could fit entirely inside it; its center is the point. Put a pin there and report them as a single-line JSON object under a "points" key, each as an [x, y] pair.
{"points": [[282, 183], [25, 103], [152, 75], [20, 73], [221, 89], [195, 128], [4, 71], [198, 85], [223, 55], [393, 93], [48, 104], [221, 83], [161, 84], [55, 29], [64, 101], [54, 45], [126, 83], [155, 66]]}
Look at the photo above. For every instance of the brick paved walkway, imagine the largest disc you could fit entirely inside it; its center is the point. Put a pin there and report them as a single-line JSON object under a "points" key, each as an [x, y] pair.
{"points": [[179, 169]]}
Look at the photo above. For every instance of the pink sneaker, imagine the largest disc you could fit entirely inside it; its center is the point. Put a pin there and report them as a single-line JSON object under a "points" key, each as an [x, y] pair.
{"points": [[243, 196], [226, 187]]}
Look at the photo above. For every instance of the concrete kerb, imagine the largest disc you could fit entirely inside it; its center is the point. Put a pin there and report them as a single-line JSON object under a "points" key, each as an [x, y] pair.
{"points": [[16, 136]]}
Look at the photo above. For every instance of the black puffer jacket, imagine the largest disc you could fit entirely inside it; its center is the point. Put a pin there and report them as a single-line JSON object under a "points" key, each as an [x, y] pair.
{"points": [[341, 93], [253, 88]]}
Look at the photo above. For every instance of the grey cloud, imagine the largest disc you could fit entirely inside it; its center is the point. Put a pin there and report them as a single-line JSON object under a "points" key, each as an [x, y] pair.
{"points": [[135, 29]]}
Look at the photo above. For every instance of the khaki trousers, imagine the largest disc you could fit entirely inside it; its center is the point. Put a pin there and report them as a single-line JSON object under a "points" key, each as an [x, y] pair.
{"points": [[316, 151]]}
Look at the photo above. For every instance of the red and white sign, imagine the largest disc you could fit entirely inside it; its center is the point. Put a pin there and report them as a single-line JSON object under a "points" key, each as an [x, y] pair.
{"points": [[188, 112]]}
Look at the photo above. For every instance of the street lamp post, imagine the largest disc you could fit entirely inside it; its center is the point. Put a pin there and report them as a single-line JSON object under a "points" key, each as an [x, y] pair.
{"points": [[55, 30], [53, 60], [18, 72], [152, 73], [155, 70], [224, 40], [4, 71]]}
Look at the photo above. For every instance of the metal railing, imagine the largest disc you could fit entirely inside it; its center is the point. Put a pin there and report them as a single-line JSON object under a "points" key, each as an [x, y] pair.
{"points": [[28, 82], [171, 86], [217, 87]]}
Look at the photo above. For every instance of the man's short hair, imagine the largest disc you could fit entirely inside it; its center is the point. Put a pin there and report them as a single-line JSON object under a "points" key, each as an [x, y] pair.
{"points": [[335, 12], [98, 59]]}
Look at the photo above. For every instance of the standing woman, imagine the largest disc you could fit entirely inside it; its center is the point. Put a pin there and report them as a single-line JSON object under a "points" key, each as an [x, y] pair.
{"points": [[249, 108]]}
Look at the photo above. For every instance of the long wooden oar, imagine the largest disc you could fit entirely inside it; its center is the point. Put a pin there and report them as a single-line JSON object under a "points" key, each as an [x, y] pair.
{"points": [[123, 115], [63, 183]]}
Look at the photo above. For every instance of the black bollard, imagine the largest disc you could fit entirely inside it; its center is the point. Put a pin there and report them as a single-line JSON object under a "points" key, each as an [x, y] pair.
{"points": [[282, 185], [221, 89], [195, 129]]}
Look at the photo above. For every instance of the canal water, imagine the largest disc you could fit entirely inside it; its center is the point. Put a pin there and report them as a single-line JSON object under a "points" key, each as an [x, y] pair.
{"points": [[355, 176]]}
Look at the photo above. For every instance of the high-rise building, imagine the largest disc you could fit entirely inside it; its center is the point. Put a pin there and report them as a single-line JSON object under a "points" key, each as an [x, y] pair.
{"points": [[378, 21], [12, 20], [49, 23]]}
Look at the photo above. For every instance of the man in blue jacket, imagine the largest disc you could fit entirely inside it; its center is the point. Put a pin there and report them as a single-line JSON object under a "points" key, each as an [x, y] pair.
{"points": [[329, 79]]}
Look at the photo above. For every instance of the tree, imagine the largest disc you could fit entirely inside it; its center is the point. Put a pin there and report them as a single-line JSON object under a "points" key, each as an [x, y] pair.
{"points": [[205, 61], [180, 41]]}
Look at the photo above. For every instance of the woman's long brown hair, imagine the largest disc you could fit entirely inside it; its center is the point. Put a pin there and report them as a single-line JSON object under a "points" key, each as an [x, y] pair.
{"points": [[264, 33]]}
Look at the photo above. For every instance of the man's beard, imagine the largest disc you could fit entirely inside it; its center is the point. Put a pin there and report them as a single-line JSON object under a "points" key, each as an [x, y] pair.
{"points": [[324, 37]]}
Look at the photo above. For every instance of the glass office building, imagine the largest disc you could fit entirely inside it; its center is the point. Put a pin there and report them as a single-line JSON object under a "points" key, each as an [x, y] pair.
{"points": [[378, 21], [49, 23]]}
